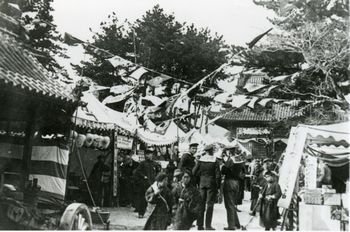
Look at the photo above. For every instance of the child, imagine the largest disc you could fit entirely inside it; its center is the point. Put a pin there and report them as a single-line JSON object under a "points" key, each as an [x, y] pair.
{"points": [[270, 194]]}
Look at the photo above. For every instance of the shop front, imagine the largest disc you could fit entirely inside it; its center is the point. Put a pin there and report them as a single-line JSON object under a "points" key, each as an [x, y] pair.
{"points": [[315, 189]]}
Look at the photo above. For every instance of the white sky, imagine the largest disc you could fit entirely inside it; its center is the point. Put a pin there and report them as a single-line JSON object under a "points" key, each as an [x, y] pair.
{"points": [[239, 21]]}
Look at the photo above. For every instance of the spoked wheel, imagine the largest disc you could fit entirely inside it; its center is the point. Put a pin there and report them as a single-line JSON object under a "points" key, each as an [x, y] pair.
{"points": [[76, 217]]}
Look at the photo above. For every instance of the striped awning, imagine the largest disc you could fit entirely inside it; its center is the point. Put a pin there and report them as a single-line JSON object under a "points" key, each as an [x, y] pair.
{"points": [[329, 143], [337, 157], [333, 134]]}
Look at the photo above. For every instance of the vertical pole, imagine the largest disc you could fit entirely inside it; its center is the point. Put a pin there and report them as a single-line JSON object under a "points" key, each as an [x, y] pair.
{"points": [[28, 145], [272, 142], [134, 41], [206, 125], [201, 123], [115, 171], [295, 205], [110, 194]]}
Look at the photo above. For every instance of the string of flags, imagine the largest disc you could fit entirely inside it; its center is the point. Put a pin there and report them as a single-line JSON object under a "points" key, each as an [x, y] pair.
{"points": [[253, 93]]}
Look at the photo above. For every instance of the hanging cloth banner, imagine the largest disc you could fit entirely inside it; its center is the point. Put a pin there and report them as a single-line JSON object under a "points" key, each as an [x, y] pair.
{"points": [[290, 167], [136, 75], [310, 172], [119, 61], [156, 81]]}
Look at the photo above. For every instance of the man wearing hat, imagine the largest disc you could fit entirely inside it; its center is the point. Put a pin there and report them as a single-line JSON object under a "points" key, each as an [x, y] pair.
{"points": [[230, 188], [269, 195], [240, 166], [207, 168], [145, 175], [98, 177], [187, 161]]}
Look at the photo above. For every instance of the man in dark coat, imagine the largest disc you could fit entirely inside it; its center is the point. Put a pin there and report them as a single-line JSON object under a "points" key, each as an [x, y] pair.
{"points": [[145, 175], [98, 178], [159, 195], [231, 190], [255, 188], [189, 203], [187, 161], [240, 166], [170, 169], [269, 195], [127, 181], [207, 168]]}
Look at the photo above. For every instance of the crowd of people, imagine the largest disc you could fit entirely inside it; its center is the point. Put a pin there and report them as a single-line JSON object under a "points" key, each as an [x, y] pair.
{"points": [[187, 189]]}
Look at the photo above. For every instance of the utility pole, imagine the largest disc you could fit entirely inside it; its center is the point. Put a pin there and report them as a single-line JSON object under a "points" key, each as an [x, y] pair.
{"points": [[134, 40]]}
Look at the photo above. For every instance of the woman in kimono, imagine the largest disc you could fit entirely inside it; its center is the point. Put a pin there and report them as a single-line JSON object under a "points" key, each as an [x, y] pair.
{"points": [[159, 195], [269, 195], [189, 203]]}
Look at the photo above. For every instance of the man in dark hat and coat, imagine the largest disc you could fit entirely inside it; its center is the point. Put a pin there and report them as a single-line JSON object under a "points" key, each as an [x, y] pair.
{"points": [[270, 194], [187, 161], [145, 175], [240, 166], [207, 168], [98, 177], [230, 188]]}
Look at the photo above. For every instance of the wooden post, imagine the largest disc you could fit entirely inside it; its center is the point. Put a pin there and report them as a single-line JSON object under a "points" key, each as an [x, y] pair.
{"points": [[115, 171], [28, 145], [206, 125], [110, 194]]}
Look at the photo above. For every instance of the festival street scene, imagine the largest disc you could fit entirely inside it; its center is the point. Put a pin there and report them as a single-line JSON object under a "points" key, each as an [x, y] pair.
{"points": [[174, 115]]}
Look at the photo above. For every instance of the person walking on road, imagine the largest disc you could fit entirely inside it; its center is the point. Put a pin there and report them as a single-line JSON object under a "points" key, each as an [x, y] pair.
{"points": [[270, 195], [208, 170], [189, 203], [230, 190], [159, 195]]}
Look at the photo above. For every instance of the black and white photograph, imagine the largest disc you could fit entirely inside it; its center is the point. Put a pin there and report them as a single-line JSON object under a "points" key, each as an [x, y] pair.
{"points": [[174, 115]]}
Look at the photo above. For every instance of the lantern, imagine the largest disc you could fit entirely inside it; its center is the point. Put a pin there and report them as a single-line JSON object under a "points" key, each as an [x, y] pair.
{"points": [[104, 143], [80, 140], [96, 141], [89, 139]]}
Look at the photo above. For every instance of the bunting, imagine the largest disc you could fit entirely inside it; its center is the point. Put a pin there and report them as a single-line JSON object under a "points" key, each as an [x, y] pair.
{"points": [[156, 81], [71, 40], [117, 61]]}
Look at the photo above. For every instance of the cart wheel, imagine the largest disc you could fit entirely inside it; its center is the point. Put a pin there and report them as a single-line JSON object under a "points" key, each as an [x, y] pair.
{"points": [[76, 217]]}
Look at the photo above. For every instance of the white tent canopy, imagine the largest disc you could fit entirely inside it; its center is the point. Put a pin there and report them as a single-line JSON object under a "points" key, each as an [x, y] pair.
{"points": [[96, 112], [333, 134], [171, 135]]}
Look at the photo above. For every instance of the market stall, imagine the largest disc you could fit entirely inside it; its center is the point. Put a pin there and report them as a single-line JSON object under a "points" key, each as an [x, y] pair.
{"points": [[34, 131], [322, 151], [104, 137]]}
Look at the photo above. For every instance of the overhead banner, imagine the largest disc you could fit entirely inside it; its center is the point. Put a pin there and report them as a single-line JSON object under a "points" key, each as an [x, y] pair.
{"points": [[290, 167], [124, 142]]}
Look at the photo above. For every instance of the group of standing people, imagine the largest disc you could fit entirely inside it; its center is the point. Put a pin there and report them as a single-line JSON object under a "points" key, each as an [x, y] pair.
{"points": [[187, 192]]}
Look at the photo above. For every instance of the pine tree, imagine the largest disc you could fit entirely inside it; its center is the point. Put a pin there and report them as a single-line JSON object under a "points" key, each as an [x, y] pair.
{"points": [[162, 44], [43, 36]]}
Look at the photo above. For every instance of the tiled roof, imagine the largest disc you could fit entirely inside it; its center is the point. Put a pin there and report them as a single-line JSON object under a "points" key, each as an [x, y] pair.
{"points": [[277, 112], [20, 69]]}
